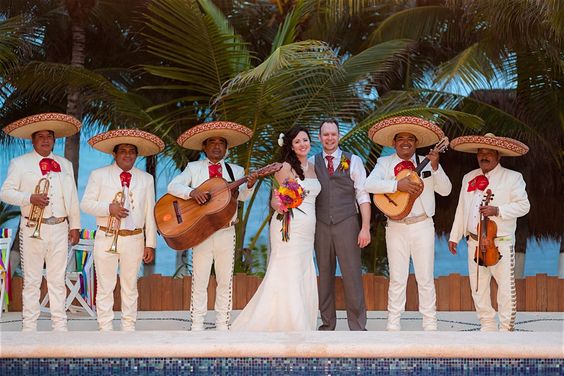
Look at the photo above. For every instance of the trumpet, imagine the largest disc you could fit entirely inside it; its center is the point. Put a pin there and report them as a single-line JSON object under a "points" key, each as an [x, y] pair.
{"points": [[36, 213], [115, 223]]}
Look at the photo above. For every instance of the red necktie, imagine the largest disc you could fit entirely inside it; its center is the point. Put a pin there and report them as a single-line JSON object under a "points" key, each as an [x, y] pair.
{"points": [[330, 166], [215, 170], [480, 182], [404, 165], [125, 178], [47, 164]]}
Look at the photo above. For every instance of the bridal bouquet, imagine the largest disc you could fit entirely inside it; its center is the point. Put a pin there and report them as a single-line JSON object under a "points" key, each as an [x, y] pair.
{"points": [[290, 194]]}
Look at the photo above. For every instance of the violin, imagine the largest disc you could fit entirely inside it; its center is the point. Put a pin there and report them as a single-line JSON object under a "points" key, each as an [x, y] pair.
{"points": [[487, 253]]}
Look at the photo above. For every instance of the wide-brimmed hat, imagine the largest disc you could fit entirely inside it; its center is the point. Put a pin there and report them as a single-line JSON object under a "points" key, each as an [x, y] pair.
{"points": [[384, 131], [147, 143], [235, 134], [506, 146], [62, 125]]}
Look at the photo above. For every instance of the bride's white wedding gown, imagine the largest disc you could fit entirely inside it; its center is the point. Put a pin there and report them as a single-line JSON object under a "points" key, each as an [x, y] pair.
{"points": [[286, 300]]}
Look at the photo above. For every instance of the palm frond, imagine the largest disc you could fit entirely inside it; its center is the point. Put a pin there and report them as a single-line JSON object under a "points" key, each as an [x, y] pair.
{"points": [[288, 30], [418, 23]]}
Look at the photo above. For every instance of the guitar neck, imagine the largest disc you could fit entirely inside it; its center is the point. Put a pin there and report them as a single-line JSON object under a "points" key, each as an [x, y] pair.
{"points": [[237, 182], [421, 165]]}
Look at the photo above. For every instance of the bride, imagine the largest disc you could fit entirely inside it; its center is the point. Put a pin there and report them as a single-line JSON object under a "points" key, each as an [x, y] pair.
{"points": [[286, 300]]}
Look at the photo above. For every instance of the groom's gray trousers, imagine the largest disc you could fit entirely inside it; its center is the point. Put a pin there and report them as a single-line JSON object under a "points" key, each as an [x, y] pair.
{"points": [[336, 238]]}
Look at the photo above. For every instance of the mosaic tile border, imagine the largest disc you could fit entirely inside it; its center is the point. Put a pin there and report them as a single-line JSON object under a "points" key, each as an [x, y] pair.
{"points": [[278, 366]]}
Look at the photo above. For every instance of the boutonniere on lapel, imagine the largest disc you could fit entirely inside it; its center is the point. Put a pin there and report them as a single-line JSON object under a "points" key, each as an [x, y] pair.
{"points": [[344, 164]]}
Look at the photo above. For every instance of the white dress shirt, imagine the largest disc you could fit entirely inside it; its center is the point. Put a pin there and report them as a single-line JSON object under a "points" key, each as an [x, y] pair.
{"points": [[357, 173]]}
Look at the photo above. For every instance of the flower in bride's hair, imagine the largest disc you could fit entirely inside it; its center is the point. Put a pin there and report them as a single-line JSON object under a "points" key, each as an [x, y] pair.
{"points": [[281, 140]]}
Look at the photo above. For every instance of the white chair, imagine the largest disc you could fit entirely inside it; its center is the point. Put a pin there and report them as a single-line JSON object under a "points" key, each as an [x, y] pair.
{"points": [[5, 246], [80, 263]]}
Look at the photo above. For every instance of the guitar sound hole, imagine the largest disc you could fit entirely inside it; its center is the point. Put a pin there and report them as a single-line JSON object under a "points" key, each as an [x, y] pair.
{"points": [[177, 211]]}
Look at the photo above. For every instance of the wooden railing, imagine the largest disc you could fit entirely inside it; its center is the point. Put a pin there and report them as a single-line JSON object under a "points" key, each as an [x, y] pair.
{"points": [[539, 293]]}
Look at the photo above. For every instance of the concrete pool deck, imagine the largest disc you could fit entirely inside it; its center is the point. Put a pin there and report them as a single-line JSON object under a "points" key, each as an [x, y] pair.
{"points": [[164, 334]]}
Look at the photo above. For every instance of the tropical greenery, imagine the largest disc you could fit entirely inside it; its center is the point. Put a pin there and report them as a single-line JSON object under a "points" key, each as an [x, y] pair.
{"points": [[167, 65]]}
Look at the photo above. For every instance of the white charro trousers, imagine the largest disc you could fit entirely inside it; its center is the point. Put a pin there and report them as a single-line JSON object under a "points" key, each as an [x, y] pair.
{"points": [[52, 251], [128, 259], [219, 250], [417, 241], [503, 273]]}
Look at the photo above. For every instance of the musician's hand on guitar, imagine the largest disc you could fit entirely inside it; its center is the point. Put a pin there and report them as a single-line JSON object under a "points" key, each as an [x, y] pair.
{"points": [[117, 211], [252, 179], [452, 247], [39, 199], [433, 157], [200, 197], [411, 187], [489, 211]]}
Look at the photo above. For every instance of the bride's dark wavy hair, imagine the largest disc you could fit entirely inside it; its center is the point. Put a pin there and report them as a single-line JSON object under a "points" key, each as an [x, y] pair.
{"points": [[286, 152]]}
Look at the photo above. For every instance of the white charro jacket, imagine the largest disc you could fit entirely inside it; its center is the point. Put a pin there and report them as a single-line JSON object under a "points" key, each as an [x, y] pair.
{"points": [[510, 197], [24, 174], [383, 180], [104, 183], [197, 173]]}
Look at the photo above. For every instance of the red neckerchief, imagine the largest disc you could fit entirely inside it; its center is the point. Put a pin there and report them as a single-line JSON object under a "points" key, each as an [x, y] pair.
{"points": [[48, 164]]}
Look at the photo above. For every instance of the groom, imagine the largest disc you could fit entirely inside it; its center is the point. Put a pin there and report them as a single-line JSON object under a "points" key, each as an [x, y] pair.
{"points": [[338, 233]]}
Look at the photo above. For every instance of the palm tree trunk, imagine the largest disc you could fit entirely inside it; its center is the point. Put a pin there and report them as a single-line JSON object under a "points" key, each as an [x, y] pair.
{"points": [[78, 12]]}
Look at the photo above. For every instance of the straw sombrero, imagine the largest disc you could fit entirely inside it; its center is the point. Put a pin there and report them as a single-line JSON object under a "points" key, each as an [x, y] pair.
{"points": [[235, 134], [147, 143], [427, 133], [506, 146], [62, 125]]}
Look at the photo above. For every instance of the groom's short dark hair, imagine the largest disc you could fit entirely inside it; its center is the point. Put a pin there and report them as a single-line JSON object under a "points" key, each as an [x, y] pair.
{"points": [[329, 120]]}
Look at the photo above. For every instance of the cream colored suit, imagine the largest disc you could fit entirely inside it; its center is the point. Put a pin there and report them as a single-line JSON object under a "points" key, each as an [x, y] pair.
{"points": [[102, 186], [411, 240], [510, 197], [23, 175], [218, 249]]}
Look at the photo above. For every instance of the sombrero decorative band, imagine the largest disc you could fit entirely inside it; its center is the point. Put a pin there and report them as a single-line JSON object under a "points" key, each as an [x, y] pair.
{"points": [[235, 134], [62, 125], [384, 131], [504, 145], [147, 143]]}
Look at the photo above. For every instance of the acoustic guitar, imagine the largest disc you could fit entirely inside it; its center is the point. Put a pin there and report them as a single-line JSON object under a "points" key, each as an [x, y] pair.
{"points": [[185, 223], [397, 205]]}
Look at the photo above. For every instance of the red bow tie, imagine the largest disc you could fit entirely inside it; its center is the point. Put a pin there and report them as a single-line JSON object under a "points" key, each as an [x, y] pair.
{"points": [[125, 178], [404, 165], [215, 170], [480, 183], [47, 164]]}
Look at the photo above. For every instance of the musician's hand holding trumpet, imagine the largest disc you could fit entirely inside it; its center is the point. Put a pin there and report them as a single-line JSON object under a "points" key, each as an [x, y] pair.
{"points": [[39, 199], [117, 210]]}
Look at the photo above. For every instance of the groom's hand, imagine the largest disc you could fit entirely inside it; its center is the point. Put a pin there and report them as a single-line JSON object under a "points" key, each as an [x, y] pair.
{"points": [[363, 237]]}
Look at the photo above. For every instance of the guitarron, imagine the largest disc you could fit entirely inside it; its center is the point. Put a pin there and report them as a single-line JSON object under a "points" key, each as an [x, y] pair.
{"points": [[397, 205], [185, 223]]}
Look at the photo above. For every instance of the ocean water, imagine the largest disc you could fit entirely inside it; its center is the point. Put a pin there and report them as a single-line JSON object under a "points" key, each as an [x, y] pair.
{"points": [[542, 257]]}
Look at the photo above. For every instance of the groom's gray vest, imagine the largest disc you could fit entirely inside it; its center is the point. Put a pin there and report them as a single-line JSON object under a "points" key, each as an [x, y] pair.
{"points": [[337, 199]]}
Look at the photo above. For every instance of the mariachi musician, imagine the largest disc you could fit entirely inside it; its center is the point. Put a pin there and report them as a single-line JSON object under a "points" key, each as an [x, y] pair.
{"points": [[213, 138], [413, 236], [509, 202], [122, 199], [42, 184]]}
